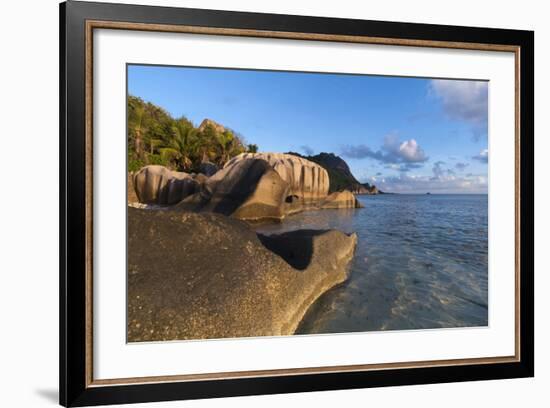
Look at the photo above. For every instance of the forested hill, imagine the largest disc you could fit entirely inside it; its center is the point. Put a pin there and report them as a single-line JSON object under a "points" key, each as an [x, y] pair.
{"points": [[339, 174], [155, 137]]}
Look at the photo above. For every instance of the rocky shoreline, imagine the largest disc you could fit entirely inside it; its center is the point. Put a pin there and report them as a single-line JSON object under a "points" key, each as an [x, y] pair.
{"points": [[220, 279], [251, 186], [197, 270]]}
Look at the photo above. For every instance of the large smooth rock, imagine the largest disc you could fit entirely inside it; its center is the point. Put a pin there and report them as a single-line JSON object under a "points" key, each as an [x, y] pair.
{"points": [[248, 189], [198, 276], [341, 199], [251, 186], [159, 185], [208, 169], [131, 191], [307, 180], [368, 189]]}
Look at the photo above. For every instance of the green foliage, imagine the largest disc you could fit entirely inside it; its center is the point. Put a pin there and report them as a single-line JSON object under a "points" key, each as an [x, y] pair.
{"points": [[134, 164], [154, 137], [157, 159], [338, 181]]}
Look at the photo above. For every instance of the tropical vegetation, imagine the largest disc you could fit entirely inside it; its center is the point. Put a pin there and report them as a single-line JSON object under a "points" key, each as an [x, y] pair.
{"points": [[155, 137]]}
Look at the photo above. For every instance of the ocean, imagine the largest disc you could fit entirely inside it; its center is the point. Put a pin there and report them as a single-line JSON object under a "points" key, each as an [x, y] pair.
{"points": [[421, 262]]}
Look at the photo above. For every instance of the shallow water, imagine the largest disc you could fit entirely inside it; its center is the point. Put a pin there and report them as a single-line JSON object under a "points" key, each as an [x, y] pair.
{"points": [[420, 262]]}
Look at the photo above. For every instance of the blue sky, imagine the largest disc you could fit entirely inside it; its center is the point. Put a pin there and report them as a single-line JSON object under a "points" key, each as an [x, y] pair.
{"points": [[402, 134]]}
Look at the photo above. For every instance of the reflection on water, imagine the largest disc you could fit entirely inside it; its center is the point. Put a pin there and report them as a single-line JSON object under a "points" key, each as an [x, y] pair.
{"points": [[420, 262]]}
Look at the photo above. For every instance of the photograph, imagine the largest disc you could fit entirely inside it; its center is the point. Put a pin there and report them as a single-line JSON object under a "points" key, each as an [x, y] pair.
{"points": [[257, 202], [279, 203]]}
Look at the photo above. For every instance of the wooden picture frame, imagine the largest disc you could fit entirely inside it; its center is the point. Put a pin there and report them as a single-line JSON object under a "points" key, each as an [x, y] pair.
{"points": [[78, 20]]}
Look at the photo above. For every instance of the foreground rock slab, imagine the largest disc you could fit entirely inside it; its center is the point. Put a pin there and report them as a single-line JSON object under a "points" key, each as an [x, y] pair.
{"points": [[198, 276]]}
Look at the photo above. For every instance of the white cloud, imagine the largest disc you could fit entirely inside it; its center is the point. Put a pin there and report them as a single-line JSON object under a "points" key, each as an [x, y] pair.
{"points": [[410, 150], [438, 169], [443, 184], [396, 154], [482, 156], [464, 101], [461, 166], [443, 180]]}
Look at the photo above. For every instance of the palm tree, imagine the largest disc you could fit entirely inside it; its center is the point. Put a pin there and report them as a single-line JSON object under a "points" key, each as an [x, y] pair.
{"points": [[225, 141], [180, 147], [208, 144], [154, 136], [136, 111]]}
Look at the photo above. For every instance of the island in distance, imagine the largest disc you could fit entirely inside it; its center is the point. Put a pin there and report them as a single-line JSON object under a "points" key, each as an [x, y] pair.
{"points": [[196, 267]]}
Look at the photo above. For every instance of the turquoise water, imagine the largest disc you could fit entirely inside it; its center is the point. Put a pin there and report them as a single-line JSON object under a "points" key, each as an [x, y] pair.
{"points": [[420, 263]]}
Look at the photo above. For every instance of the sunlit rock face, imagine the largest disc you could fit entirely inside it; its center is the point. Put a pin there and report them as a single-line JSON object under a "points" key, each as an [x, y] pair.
{"points": [[248, 189], [131, 196], [251, 186], [307, 180], [341, 199], [212, 124], [159, 185]]}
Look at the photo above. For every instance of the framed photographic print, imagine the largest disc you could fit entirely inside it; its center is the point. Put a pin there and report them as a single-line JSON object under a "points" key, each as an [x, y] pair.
{"points": [[256, 203]]}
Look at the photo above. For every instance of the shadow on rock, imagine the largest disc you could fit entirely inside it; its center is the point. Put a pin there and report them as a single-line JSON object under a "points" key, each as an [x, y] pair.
{"points": [[205, 275], [295, 247], [238, 185]]}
